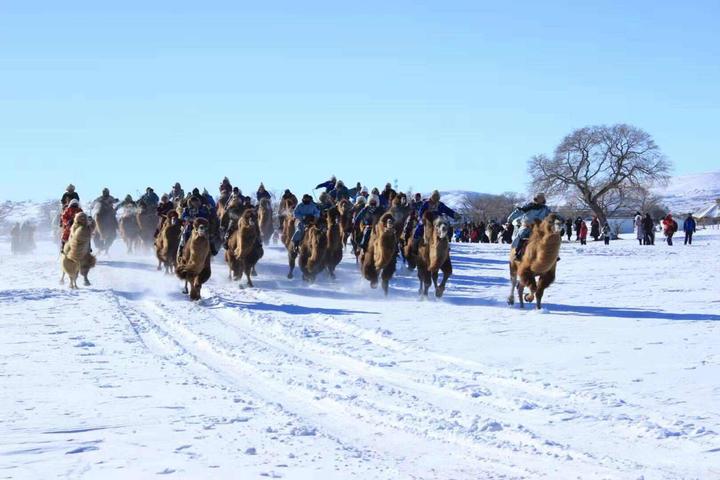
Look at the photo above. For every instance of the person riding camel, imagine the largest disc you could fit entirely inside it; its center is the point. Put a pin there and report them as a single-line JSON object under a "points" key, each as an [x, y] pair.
{"points": [[327, 185], [67, 218], [163, 209], [69, 194], [176, 192], [340, 191], [194, 209], [417, 202], [106, 200], [354, 192], [305, 210], [231, 216], [387, 195], [368, 216], [128, 202], [325, 202], [262, 193], [527, 214], [435, 207], [225, 186], [150, 198]]}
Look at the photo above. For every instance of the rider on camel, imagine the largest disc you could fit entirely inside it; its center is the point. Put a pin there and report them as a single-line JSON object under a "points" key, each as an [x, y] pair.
{"points": [[527, 214], [304, 210], [369, 216], [434, 206]]}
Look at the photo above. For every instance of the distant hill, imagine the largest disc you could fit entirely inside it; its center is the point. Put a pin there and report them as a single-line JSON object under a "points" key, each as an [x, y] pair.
{"points": [[690, 193]]}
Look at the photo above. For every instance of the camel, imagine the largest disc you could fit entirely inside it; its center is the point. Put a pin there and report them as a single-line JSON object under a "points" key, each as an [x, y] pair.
{"points": [[106, 226], [167, 242], [265, 220], [76, 256], [335, 245], [434, 255], [194, 262], [379, 259], [539, 260], [129, 230], [406, 242], [313, 250], [244, 248], [345, 210], [286, 237], [147, 220]]}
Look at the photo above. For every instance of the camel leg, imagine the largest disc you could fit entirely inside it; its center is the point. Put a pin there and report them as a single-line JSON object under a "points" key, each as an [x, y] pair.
{"points": [[513, 284], [447, 271], [194, 290], [248, 273], [185, 288], [387, 273], [62, 278], [520, 293], [291, 264], [86, 282], [159, 267], [253, 272], [544, 282]]}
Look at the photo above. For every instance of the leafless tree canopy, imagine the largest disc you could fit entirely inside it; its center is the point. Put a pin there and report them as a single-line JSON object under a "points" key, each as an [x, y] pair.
{"points": [[486, 207], [605, 167]]}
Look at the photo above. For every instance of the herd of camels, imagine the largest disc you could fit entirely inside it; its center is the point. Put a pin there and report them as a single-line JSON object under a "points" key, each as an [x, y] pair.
{"points": [[321, 249]]}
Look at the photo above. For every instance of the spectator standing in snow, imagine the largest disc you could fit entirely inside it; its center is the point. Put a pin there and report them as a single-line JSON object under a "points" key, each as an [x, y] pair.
{"points": [[648, 230], [569, 228], [670, 226], [639, 231], [689, 227], [578, 221], [583, 232], [595, 228], [606, 233]]}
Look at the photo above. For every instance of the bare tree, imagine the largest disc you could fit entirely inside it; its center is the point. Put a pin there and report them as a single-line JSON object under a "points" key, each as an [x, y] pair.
{"points": [[483, 207], [601, 166]]}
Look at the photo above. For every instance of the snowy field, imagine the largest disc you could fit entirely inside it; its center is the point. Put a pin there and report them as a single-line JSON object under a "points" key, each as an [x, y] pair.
{"points": [[619, 377]]}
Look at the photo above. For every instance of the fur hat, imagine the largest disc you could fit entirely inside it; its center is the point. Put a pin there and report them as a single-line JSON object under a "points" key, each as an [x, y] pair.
{"points": [[360, 200], [539, 198], [435, 196], [73, 202], [70, 187], [364, 190], [374, 198]]}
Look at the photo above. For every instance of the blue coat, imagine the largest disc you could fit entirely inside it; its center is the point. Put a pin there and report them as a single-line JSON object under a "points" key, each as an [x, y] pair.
{"points": [[262, 194], [328, 186], [369, 214], [303, 210], [189, 214], [529, 212], [689, 225]]}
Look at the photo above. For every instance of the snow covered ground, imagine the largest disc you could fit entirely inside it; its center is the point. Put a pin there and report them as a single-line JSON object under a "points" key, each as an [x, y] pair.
{"points": [[617, 378]]}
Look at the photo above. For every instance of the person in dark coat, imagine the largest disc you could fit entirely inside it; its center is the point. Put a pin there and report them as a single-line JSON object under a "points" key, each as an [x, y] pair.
{"points": [[578, 221], [569, 228], [689, 227], [387, 195], [606, 233], [328, 185], [262, 193], [368, 216], [69, 194], [649, 230], [595, 228]]}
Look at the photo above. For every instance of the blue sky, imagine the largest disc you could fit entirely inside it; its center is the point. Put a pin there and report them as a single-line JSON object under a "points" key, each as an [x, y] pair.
{"points": [[449, 95]]}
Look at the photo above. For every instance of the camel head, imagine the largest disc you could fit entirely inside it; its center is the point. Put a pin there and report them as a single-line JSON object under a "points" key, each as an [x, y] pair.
{"points": [[554, 223], [81, 218], [249, 218], [441, 227], [200, 227], [172, 218]]}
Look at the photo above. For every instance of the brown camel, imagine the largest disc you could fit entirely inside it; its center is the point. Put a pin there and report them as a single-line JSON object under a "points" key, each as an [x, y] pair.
{"points": [[106, 226], [288, 232], [244, 247], [345, 211], [147, 220], [406, 241], [539, 260], [76, 256], [379, 259], [167, 242], [434, 255], [265, 220], [313, 250], [335, 245], [129, 230], [194, 262]]}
